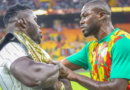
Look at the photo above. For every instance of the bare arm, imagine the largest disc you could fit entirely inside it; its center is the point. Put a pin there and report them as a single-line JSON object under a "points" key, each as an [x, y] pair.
{"points": [[57, 85], [114, 84], [70, 65], [34, 74], [66, 83]]}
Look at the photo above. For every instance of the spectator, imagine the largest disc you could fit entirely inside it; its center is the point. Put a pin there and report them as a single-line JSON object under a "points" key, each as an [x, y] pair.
{"points": [[58, 4], [122, 3], [111, 3], [76, 26]]}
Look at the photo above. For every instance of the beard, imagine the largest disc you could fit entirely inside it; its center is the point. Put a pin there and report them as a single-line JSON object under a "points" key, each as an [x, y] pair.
{"points": [[33, 33], [90, 31]]}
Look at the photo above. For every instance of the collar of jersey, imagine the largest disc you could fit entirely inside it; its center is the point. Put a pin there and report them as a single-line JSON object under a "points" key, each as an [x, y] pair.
{"points": [[108, 36]]}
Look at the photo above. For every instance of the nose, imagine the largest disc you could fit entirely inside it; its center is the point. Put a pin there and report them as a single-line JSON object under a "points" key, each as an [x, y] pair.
{"points": [[38, 26], [81, 21], [40, 31]]}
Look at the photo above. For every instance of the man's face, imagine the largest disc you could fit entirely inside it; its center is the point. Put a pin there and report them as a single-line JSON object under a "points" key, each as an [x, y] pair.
{"points": [[33, 29], [88, 22]]}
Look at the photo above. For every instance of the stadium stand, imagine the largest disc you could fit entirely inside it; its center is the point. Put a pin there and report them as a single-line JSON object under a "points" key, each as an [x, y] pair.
{"points": [[66, 39], [57, 4]]}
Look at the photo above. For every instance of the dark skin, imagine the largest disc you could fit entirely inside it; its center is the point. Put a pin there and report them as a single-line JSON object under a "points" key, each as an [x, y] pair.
{"points": [[97, 22], [36, 70], [33, 74], [56, 86]]}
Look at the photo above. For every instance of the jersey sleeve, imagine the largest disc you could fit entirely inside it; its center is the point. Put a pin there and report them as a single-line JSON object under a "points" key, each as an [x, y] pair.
{"points": [[121, 59], [80, 58], [10, 53]]}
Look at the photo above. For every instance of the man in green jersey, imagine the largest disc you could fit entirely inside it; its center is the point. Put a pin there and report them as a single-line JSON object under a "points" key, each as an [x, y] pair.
{"points": [[108, 58]]}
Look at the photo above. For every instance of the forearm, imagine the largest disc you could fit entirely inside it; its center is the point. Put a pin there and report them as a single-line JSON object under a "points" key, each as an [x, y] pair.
{"points": [[120, 84], [70, 65], [85, 82]]}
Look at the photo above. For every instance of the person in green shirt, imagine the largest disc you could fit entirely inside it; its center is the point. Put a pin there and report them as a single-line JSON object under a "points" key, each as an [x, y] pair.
{"points": [[107, 58]]}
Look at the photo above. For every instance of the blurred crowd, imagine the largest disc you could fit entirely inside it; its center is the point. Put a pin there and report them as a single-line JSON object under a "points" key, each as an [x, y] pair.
{"points": [[58, 4], [61, 40], [2, 33], [4, 4], [64, 43]]}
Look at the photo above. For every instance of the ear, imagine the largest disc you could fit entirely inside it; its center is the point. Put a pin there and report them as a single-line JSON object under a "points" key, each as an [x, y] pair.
{"points": [[22, 22], [102, 15]]}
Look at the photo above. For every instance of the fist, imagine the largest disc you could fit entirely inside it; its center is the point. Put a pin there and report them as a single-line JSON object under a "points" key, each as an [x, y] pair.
{"points": [[57, 86], [62, 69]]}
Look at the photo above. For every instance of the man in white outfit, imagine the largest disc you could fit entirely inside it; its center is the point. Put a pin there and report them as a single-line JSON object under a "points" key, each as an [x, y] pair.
{"points": [[19, 54]]}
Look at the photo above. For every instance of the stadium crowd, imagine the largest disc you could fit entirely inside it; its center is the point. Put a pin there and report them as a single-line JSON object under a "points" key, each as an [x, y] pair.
{"points": [[57, 4], [55, 40]]}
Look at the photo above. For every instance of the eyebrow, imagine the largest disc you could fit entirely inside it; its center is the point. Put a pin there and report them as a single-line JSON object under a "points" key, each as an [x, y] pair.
{"points": [[81, 14]]}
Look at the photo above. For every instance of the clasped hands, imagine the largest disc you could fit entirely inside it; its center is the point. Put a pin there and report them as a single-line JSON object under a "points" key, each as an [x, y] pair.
{"points": [[64, 73]]}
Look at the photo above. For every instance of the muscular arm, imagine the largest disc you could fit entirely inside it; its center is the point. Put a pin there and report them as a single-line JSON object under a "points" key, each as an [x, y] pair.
{"points": [[114, 84], [78, 60], [34, 74]]}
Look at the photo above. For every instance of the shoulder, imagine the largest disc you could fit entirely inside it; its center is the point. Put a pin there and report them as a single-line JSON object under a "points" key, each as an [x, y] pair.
{"points": [[122, 44], [10, 52], [90, 46], [90, 43], [14, 47]]}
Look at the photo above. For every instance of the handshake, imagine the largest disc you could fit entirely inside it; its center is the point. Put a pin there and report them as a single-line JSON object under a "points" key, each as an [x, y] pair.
{"points": [[64, 74]]}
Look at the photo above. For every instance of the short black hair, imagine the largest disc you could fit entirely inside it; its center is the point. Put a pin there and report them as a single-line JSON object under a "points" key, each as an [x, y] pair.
{"points": [[13, 11], [101, 4]]}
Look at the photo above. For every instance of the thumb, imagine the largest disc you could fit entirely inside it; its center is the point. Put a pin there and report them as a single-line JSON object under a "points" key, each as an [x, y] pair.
{"points": [[52, 62]]}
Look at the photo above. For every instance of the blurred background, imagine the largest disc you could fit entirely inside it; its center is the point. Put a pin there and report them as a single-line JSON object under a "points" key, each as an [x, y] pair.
{"points": [[59, 21]]}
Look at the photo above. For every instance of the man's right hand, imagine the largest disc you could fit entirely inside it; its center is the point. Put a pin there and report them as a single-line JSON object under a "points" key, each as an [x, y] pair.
{"points": [[63, 70]]}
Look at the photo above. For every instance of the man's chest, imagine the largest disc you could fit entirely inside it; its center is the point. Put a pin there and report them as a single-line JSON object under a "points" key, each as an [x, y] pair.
{"points": [[100, 62]]}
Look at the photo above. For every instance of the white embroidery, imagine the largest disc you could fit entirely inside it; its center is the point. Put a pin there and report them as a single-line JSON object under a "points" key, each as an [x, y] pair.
{"points": [[104, 52]]}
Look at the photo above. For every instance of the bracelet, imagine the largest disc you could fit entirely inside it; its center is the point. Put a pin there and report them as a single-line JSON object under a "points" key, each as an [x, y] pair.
{"points": [[62, 86]]}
